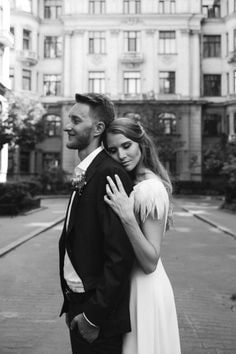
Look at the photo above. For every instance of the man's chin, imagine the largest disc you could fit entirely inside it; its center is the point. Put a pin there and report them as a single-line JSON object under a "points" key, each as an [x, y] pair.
{"points": [[71, 146]]}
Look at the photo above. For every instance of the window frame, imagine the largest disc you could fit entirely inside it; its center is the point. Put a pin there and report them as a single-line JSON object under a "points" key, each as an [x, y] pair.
{"points": [[129, 5], [212, 46], [96, 42], [132, 81], [167, 84], [57, 90], [132, 41], [52, 46], [96, 79], [97, 7], [208, 89], [26, 39], [167, 44], [26, 79]]}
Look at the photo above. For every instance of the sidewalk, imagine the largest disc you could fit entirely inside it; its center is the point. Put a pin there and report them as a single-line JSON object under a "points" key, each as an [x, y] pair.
{"points": [[207, 209], [15, 230]]}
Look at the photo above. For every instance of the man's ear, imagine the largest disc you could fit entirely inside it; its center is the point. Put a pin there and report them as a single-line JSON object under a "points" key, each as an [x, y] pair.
{"points": [[100, 127]]}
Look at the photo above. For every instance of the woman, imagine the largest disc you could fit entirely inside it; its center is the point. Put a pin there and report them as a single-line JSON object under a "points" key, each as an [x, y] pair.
{"points": [[145, 216]]}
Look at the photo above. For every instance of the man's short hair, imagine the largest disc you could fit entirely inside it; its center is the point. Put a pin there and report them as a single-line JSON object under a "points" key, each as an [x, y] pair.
{"points": [[102, 107]]}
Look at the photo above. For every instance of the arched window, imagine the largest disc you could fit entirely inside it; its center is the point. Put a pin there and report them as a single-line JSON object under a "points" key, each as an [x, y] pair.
{"points": [[52, 125], [166, 124]]}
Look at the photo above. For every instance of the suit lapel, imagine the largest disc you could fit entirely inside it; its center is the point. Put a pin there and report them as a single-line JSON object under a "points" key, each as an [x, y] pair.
{"points": [[89, 175]]}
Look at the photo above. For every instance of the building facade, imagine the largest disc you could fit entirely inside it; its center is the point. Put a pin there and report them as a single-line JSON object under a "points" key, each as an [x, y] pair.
{"points": [[5, 43], [170, 63]]}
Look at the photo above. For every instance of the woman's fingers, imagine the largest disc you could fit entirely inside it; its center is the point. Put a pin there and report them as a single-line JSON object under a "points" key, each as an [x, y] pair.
{"points": [[112, 185], [107, 200], [108, 190], [119, 184]]}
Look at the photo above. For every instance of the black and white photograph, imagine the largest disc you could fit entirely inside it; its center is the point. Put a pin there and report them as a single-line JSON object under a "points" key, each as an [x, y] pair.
{"points": [[117, 176]]}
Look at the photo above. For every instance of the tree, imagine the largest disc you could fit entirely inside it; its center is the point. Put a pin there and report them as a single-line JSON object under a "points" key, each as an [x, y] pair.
{"points": [[24, 126]]}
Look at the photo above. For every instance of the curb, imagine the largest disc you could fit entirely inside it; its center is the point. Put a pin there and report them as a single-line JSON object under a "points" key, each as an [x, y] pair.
{"points": [[17, 243], [210, 222]]}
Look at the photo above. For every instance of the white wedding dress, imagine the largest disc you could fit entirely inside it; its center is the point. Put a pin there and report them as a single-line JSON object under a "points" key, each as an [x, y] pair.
{"points": [[152, 305]]}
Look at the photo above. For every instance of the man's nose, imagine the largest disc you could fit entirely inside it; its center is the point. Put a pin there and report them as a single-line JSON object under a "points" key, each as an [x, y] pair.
{"points": [[67, 127]]}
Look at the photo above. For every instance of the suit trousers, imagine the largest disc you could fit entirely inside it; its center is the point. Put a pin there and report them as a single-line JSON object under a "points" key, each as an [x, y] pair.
{"points": [[101, 345]]}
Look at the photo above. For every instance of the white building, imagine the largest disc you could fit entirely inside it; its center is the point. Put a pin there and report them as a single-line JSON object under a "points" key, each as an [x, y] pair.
{"points": [[172, 62], [5, 43]]}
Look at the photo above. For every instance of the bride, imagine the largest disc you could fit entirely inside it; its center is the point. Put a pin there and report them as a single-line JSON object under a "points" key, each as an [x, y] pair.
{"points": [[145, 215]]}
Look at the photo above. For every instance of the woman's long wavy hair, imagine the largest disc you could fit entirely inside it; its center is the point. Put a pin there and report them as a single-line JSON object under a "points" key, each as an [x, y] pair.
{"points": [[133, 130]]}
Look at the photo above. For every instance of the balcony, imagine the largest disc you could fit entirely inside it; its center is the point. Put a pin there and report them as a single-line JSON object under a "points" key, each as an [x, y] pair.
{"points": [[28, 57], [132, 58], [232, 57]]}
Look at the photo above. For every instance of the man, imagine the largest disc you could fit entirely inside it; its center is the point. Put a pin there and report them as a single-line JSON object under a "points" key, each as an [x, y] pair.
{"points": [[95, 255]]}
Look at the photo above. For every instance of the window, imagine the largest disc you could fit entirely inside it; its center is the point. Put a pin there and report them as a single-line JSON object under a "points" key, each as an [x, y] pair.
{"points": [[211, 46], [212, 85], [52, 47], [132, 83], [167, 42], [227, 79], [26, 79], [211, 10], [166, 6], [97, 81], [52, 85], [96, 6], [212, 124], [167, 82], [24, 161], [52, 8], [166, 124], [52, 125], [26, 39], [132, 41], [132, 6], [97, 42], [12, 78], [51, 159]]}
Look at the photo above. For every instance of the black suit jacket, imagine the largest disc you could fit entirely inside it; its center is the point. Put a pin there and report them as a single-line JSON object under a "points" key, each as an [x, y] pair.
{"points": [[99, 249]]}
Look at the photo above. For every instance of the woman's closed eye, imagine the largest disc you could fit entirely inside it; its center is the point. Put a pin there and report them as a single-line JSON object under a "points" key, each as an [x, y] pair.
{"points": [[113, 150]]}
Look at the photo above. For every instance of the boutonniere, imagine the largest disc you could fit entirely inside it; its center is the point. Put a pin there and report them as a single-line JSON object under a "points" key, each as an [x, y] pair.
{"points": [[79, 181]]}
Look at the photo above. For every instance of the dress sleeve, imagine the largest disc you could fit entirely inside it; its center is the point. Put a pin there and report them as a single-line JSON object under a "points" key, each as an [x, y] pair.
{"points": [[150, 199]]}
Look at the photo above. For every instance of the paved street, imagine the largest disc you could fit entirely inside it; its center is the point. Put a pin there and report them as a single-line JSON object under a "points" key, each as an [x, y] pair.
{"points": [[199, 258]]}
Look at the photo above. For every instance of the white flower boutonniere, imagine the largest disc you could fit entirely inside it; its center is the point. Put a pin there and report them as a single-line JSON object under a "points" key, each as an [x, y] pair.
{"points": [[79, 181]]}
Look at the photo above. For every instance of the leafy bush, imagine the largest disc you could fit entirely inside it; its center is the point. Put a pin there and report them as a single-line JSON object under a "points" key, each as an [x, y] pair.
{"points": [[206, 187], [15, 197], [55, 181]]}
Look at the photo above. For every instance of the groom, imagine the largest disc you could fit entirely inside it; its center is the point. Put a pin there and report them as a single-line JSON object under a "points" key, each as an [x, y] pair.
{"points": [[95, 255]]}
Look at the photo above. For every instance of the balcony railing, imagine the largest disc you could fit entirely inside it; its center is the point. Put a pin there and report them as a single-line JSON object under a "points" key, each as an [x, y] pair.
{"points": [[28, 56], [132, 58]]}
